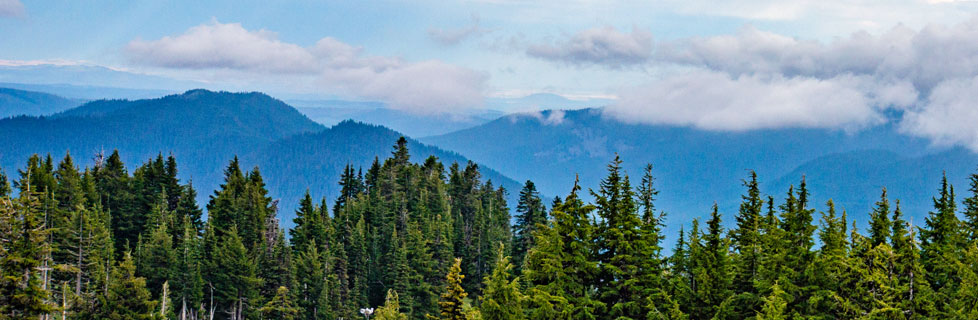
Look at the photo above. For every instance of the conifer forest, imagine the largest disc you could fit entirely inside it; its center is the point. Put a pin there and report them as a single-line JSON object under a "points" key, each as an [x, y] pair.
{"points": [[410, 239]]}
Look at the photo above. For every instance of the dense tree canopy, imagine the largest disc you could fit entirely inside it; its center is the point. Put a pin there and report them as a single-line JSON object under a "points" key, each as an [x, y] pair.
{"points": [[418, 240]]}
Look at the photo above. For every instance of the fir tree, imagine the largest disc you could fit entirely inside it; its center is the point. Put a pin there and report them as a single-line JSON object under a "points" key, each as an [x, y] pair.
{"points": [[530, 213], [879, 221], [279, 306], [127, 297], [502, 299], [22, 255], [391, 308], [452, 300]]}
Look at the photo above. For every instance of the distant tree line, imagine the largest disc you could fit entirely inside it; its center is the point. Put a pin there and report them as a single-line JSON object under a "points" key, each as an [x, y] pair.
{"points": [[417, 241]]}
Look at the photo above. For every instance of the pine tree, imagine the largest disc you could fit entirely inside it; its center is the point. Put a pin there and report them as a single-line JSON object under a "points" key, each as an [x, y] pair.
{"points": [[502, 299], [155, 250], [234, 281], [798, 240], [711, 273], [940, 240], [970, 209], [830, 267], [279, 306], [391, 308], [627, 248], [187, 283], [879, 221], [746, 263], [453, 299], [22, 255], [187, 208], [310, 285], [529, 214], [127, 297], [4, 185], [775, 305]]}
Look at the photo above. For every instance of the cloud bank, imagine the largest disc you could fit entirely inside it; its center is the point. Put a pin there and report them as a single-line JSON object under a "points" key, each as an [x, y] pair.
{"points": [[604, 46], [11, 8], [755, 79], [422, 87]]}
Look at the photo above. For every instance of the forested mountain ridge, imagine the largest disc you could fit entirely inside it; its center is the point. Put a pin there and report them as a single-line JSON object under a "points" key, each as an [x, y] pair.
{"points": [[288, 162], [14, 102], [207, 129], [700, 166], [422, 241]]}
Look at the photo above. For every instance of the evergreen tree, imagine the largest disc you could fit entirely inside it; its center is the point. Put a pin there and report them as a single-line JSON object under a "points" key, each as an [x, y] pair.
{"points": [[627, 248], [127, 297], [746, 264], [452, 300], [234, 281], [187, 282], [113, 185], [280, 306], [22, 256], [940, 240], [970, 209], [391, 308], [774, 305], [711, 273], [502, 299], [530, 213], [155, 255], [310, 285], [879, 221]]}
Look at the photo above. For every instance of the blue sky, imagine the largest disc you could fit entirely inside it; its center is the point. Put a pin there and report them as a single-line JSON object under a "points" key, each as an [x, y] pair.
{"points": [[733, 65]]}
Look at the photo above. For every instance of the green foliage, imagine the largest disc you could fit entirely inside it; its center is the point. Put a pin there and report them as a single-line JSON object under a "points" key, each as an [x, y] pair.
{"points": [[127, 297], [453, 299], [394, 235], [391, 310], [502, 299], [280, 306]]}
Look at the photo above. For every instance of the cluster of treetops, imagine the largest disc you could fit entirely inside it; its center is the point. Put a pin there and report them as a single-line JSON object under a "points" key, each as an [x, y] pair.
{"points": [[413, 242]]}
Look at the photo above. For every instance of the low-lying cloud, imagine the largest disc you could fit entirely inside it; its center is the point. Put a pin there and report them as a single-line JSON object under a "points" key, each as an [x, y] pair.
{"points": [[755, 79], [422, 87], [717, 101], [600, 46]]}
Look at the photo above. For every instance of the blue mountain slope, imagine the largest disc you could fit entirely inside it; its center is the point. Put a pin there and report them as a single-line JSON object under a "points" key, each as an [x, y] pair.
{"points": [[14, 102], [314, 160], [694, 168], [204, 130]]}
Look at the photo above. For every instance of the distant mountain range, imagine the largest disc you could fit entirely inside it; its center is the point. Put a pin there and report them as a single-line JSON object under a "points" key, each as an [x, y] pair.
{"points": [[694, 167], [330, 112], [15, 102], [204, 130]]}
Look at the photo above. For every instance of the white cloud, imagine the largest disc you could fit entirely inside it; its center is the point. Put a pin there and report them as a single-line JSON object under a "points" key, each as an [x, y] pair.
{"points": [[450, 37], [603, 46], [755, 79], [925, 57], [949, 115], [551, 117], [228, 46], [424, 87], [11, 8], [717, 101]]}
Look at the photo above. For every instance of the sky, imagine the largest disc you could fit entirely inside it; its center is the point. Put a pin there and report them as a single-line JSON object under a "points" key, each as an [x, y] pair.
{"points": [[727, 66]]}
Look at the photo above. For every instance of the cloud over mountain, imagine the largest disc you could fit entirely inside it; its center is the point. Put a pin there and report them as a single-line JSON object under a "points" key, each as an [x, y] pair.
{"points": [[758, 79], [601, 46], [425, 87]]}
